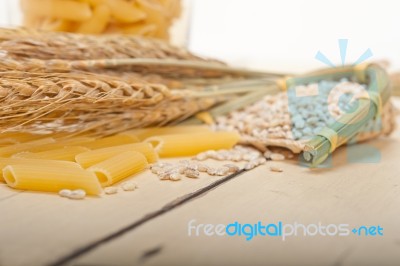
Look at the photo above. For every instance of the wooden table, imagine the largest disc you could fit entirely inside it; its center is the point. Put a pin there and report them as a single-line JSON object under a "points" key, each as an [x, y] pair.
{"points": [[150, 225]]}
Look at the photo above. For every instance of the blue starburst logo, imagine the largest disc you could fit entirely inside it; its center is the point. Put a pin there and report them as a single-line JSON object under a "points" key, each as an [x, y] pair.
{"points": [[302, 115], [343, 52]]}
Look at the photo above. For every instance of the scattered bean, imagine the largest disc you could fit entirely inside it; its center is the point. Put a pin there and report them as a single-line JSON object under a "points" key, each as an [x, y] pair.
{"points": [[222, 171], [192, 173], [277, 157], [77, 194], [232, 168], [275, 169], [175, 177], [249, 166], [110, 190], [128, 186], [202, 168], [65, 193]]}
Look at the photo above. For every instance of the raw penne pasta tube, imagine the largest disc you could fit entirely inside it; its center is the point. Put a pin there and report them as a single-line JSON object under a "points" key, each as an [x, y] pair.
{"points": [[90, 158], [18, 137], [155, 15], [7, 141], [144, 133], [98, 22], [141, 28], [56, 24], [61, 9], [94, 3], [50, 178], [173, 7], [11, 161], [119, 167], [124, 12], [111, 141], [26, 146], [58, 144], [192, 144], [63, 154]]}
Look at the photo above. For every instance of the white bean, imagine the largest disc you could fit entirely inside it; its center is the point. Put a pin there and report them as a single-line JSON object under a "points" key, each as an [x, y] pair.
{"points": [[232, 168], [275, 169], [192, 173], [128, 186], [110, 190], [175, 177], [77, 194], [277, 157], [65, 193]]}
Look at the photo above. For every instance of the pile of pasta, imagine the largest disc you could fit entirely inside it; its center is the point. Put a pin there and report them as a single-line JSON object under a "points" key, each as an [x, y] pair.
{"points": [[139, 17], [52, 163]]}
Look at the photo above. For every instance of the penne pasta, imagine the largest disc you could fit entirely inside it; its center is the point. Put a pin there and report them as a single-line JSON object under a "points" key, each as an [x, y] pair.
{"points": [[173, 7], [155, 15], [94, 3], [12, 161], [61, 9], [141, 28], [90, 158], [58, 144], [26, 146], [63, 154], [57, 24], [7, 141], [192, 144], [18, 137], [124, 12], [98, 22], [51, 178], [111, 141], [119, 167], [144, 133]]}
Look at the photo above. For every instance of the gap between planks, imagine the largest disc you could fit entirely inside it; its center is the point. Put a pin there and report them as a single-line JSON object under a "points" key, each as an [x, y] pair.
{"points": [[148, 217]]}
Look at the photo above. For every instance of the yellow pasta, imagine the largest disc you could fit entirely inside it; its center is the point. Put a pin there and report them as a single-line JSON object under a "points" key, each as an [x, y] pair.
{"points": [[144, 133], [64, 154], [119, 167], [56, 24], [111, 141], [155, 15], [26, 146], [58, 144], [61, 9], [90, 158], [141, 28], [173, 7], [123, 11], [18, 137], [138, 17], [12, 161], [192, 144], [41, 176], [98, 22], [7, 141]]}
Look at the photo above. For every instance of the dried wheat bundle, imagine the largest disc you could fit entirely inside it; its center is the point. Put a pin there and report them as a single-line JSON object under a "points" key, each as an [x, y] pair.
{"points": [[22, 43], [79, 102], [105, 84], [51, 66], [113, 53]]}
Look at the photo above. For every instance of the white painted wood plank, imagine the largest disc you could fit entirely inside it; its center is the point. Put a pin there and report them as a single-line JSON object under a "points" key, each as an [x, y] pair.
{"points": [[357, 194], [46, 227]]}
